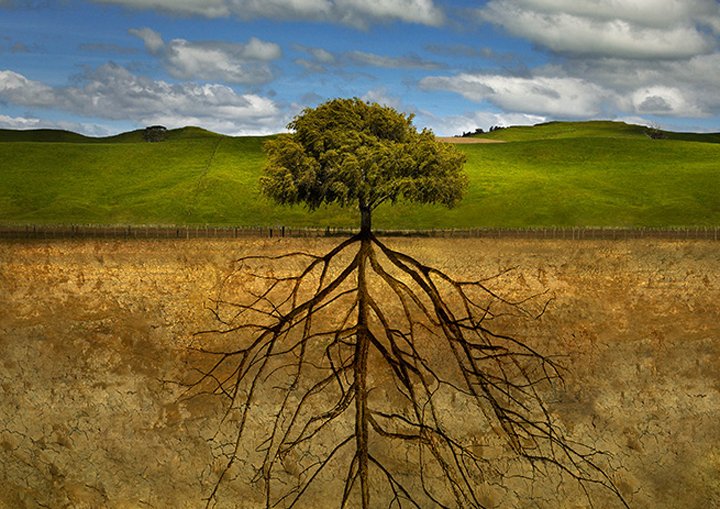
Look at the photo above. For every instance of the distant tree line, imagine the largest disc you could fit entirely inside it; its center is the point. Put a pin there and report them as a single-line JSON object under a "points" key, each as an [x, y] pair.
{"points": [[479, 130]]}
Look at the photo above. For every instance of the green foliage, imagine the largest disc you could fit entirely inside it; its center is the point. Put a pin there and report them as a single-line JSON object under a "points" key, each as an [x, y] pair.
{"points": [[349, 152]]}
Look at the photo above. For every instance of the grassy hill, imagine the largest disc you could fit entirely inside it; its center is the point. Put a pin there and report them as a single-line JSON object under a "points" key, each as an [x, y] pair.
{"points": [[555, 174], [590, 129]]}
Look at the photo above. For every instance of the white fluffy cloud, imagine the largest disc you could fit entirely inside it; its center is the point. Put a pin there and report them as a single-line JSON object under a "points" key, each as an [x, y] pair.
{"points": [[698, 75], [414, 11], [8, 122], [112, 92], [612, 58], [656, 13], [662, 100], [352, 12], [615, 90], [686, 88], [16, 88], [655, 29], [246, 63], [540, 95]]}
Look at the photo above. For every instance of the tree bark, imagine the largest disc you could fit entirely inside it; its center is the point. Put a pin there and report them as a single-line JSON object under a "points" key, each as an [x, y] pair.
{"points": [[365, 220]]}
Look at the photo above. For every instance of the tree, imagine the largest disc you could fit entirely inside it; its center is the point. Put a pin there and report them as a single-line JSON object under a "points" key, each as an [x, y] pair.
{"points": [[365, 346], [353, 153], [654, 132], [155, 133]]}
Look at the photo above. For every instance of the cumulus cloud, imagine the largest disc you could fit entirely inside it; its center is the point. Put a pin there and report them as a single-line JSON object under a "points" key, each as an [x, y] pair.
{"points": [[643, 12], [8, 122], [113, 92], [687, 87], [661, 100], [612, 58], [415, 11], [539, 95], [605, 88], [357, 13], [246, 64], [17, 89], [638, 29], [700, 73], [233, 63]]}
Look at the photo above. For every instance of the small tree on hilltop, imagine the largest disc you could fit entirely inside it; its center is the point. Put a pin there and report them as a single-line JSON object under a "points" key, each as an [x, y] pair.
{"points": [[373, 355], [155, 133]]}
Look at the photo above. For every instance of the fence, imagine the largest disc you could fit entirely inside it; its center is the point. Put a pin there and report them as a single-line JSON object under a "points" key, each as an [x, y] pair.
{"points": [[224, 232]]}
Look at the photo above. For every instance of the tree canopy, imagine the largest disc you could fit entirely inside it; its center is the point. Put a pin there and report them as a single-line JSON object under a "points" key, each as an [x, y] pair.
{"points": [[354, 153]]}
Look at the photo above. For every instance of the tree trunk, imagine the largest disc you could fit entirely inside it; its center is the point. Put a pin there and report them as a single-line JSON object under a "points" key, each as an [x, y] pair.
{"points": [[365, 220], [360, 365]]}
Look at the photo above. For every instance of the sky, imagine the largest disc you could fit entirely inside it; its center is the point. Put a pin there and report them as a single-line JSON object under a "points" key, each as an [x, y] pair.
{"points": [[247, 67]]}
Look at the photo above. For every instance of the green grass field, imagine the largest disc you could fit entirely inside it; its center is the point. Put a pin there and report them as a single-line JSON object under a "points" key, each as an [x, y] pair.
{"points": [[556, 174]]}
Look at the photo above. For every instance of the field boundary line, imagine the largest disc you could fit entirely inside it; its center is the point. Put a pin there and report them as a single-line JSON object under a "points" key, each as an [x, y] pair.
{"points": [[30, 231]]}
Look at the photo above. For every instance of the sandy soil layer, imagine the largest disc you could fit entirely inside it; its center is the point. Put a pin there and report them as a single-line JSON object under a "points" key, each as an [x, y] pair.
{"points": [[94, 336]]}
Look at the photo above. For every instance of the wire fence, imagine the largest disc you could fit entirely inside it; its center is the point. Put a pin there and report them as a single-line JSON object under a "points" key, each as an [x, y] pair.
{"points": [[226, 232]]}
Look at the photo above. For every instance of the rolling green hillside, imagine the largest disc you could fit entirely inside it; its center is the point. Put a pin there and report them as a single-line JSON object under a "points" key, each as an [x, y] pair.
{"points": [[591, 129], [555, 174]]}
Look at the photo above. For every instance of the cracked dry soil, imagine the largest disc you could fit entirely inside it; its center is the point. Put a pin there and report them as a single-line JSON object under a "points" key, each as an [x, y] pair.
{"points": [[94, 333]]}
